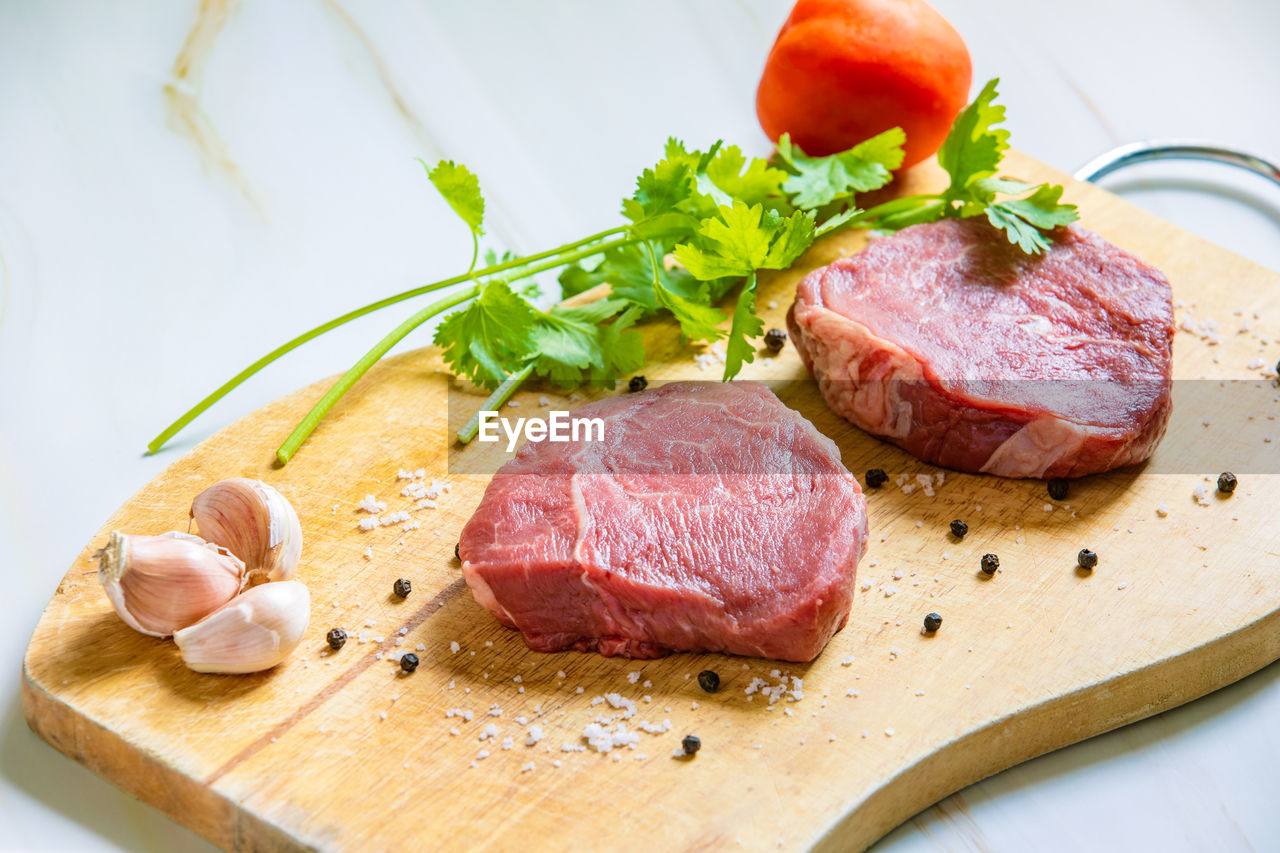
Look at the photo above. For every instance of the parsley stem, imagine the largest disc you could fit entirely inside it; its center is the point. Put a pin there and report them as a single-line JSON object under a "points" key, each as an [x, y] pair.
{"points": [[308, 424], [231, 384], [500, 396]]}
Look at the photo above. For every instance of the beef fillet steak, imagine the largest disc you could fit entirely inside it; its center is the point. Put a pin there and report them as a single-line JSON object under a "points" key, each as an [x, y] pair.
{"points": [[710, 518], [959, 348]]}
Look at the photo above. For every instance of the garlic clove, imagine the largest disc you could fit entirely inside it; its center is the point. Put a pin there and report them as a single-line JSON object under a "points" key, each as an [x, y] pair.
{"points": [[255, 522], [254, 631], [159, 584]]}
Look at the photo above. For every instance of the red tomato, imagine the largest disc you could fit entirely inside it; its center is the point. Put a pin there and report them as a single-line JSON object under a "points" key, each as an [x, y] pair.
{"points": [[844, 70]]}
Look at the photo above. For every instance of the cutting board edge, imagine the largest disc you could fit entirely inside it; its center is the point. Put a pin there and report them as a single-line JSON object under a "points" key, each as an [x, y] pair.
{"points": [[1010, 740], [146, 777], [997, 746]]}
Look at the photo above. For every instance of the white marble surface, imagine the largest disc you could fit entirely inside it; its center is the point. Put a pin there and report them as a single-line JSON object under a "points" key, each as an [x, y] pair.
{"points": [[156, 235]]}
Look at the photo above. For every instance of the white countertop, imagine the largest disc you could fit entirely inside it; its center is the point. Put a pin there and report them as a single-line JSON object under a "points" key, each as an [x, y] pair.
{"points": [[152, 244]]}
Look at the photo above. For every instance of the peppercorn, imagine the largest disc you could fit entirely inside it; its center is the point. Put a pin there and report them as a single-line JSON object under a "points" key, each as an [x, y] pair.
{"points": [[1227, 482], [990, 562], [691, 744], [932, 622], [1058, 489], [337, 638], [876, 478], [1087, 559], [456, 554], [409, 662], [775, 339], [959, 529], [637, 383], [402, 587], [709, 680]]}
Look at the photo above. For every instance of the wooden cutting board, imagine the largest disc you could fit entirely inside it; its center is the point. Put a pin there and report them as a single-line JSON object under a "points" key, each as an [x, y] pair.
{"points": [[339, 751]]}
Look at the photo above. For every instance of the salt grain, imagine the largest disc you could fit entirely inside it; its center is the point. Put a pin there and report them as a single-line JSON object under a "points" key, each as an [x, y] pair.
{"points": [[371, 505]]}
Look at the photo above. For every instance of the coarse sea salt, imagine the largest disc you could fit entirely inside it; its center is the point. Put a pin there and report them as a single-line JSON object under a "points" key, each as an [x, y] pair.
{"points": [[371, 505]]}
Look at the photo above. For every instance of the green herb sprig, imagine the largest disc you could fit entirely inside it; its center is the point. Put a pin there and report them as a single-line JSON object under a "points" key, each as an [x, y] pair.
{"points": [[719, 215]]}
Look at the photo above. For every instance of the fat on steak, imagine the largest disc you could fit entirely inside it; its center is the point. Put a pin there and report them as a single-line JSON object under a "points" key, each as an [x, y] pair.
{"points": [[710, 518], [956, 346]]}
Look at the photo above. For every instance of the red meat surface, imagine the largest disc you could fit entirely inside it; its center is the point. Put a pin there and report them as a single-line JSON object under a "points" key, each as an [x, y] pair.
{"points": [[710, 518], [955, 345]]}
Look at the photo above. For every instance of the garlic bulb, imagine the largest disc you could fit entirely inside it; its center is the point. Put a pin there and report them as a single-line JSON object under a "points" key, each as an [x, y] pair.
{"points": [[255, 522], [254, 631], [159, 584]]}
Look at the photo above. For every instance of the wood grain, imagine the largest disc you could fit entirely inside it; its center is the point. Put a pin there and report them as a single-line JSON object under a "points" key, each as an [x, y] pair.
{"points": [[1035, 658]]}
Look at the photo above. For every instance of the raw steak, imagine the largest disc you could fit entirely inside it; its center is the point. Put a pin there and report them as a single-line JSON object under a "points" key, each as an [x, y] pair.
{"points": [[953, 344], [710, 518]]}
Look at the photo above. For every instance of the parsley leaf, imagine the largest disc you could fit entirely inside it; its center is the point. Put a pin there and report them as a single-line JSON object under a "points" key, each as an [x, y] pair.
{"points": [[621, 348], [742, 239], [974, 147], [1022, 219], [746, 326], [629, 272], [818, 181], [759, 182], [660, 189], [461, 189], [697, 322], [565, 340], [490, 337]]}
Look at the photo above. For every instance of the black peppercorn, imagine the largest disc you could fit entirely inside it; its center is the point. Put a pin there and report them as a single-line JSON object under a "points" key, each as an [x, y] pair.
{"points": [[691, 744], [402, 587], [990, 562], [876, 478], [774, 339], [337, 638], [959, 529], [932, 622], [1058, 489], [409, 662], [1227, 482], [637, 383], [1087, 559], [709, 681]]}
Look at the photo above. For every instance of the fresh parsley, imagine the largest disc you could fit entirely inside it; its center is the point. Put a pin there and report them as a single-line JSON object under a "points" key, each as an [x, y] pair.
{"points": [[971, 156], [699, 226]]}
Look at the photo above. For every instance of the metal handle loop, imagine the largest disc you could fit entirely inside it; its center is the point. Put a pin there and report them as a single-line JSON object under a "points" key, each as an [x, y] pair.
{"points": [[1175, 149]]}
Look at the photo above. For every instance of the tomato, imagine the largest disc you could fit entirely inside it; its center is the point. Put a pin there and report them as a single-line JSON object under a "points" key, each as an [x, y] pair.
{"points": [[844, 70]]}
